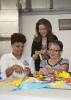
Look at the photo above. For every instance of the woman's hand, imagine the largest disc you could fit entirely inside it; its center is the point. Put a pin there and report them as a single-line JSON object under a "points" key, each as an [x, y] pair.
{"points": [[37, 53], [35, 56], [45, 71], [50, 70], [43, 51]]}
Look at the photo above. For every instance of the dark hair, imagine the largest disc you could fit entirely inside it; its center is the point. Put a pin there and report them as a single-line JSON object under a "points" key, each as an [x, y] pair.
{"points": [[18, 37], [52, 38], [46, 23], [57, 42]]}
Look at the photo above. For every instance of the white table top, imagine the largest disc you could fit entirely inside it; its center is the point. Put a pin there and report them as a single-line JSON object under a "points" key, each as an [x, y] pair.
{"points": [[48, 94]]}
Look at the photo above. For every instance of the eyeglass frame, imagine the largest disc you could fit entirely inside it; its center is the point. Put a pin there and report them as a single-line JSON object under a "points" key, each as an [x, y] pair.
{"points": [[54, 50]]}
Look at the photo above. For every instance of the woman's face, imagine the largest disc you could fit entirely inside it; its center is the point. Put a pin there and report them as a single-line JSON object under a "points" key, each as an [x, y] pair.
{"points": [[54, 51], [17, 48], [42, 30]]}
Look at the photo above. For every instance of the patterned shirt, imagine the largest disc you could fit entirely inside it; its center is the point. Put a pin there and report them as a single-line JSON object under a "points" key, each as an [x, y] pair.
{"points": [[45, 63]]}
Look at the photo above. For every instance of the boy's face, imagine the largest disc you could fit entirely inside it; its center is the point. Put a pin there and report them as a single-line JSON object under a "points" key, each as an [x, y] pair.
{"points": [[17, 48]]}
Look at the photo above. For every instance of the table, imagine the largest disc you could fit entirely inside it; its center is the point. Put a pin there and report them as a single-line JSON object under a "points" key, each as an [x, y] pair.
{"points": [[47, 94]]}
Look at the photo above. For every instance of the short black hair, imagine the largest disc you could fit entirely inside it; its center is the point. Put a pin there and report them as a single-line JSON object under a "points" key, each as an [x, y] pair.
{"points": [[58, 42], [18, 37], [52, 38]]}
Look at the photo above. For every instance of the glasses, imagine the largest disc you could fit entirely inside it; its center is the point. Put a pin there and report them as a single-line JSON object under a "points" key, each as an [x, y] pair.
{"points": [[53, 50]]}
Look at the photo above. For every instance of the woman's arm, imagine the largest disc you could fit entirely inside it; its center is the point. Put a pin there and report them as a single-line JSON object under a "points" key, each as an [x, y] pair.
{"points": [[46, 71], [64, 67], [35, 49]]}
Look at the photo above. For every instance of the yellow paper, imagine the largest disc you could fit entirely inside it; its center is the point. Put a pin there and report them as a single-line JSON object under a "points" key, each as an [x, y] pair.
{"points": [[40, 57], [15, 82], [64, 75], [57, 83]]}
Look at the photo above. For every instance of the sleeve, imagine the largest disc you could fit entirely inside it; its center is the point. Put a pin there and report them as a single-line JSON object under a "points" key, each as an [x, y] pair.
{"points": [[36, 45], [4, 64], [0, 72], [64, 61], [32, 65], [33, 48]]}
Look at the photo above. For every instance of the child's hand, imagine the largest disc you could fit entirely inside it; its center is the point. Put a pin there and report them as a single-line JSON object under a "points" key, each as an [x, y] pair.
{"points": [[27, 71], [17, 68]]}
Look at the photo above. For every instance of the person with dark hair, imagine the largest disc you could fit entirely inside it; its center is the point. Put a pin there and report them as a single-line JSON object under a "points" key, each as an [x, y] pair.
{"points": [[18, 37], [14, 64], [55, 63], [39, 45]]}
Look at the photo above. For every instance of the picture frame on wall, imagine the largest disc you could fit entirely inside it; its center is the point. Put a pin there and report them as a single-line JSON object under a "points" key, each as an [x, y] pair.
{"points": [[64, 24]]}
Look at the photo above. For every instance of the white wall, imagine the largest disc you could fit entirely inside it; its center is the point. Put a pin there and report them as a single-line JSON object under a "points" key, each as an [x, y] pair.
{"points": [[8, 22], [8, 16], [5, 47], [28, 28]]}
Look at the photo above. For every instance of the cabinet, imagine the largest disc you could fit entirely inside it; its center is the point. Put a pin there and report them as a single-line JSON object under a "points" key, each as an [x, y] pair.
{"points": [[50, 6]]}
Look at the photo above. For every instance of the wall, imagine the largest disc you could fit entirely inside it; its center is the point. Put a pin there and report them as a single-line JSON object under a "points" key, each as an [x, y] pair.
{"points": [[8, 23], [27, 26], [8, 16]]}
